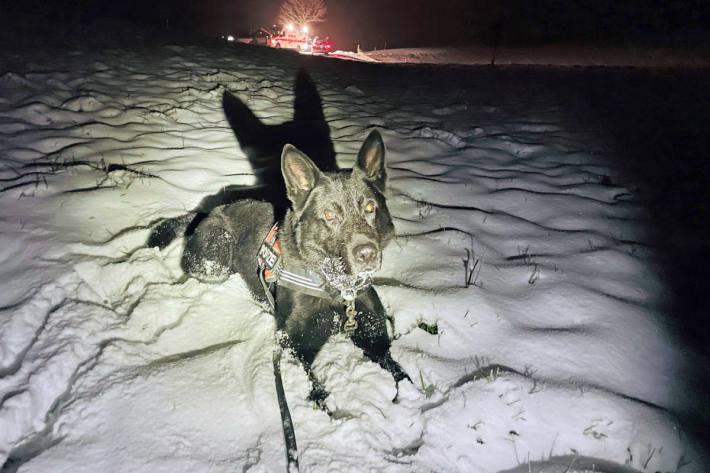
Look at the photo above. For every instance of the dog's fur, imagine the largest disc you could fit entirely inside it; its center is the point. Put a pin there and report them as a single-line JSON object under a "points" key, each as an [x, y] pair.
{"points": [[337, 215]]}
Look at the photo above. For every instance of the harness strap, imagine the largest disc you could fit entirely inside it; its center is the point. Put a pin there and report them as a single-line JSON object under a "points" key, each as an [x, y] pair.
{"points": [[268, 257], [271, 271], [303, 283]]}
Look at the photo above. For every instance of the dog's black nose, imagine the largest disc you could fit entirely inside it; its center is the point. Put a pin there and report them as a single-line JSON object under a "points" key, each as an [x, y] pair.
{"points": [[365, 253]]}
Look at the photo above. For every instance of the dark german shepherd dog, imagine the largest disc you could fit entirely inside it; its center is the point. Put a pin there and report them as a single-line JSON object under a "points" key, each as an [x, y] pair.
{"points": [[312, 249]]}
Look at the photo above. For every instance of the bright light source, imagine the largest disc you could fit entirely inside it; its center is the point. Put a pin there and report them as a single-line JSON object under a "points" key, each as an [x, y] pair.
{"points": [[289, 27], [230, 38], [304, 29]]}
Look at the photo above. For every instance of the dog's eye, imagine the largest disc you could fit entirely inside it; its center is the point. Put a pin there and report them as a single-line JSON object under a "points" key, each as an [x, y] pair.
{"points": [[330, 215], [370, 207]]}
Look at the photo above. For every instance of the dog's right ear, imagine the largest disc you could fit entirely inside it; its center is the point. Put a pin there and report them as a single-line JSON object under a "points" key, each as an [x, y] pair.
{"points": [[300, 175]]}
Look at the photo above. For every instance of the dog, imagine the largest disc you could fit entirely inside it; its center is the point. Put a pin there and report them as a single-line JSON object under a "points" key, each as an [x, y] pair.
{"points": [[315, 264]]}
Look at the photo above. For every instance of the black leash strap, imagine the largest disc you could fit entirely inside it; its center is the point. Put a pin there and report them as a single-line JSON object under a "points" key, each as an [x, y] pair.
{"points": [[286, 422]]}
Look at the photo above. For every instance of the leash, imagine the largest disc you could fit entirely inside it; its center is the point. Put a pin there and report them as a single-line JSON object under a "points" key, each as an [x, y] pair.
{"points": [[286, 422], [271, 272]]}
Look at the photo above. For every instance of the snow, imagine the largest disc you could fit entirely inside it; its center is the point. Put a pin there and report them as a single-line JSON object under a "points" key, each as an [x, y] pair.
{"points": [[544, 55], [557, 352]]}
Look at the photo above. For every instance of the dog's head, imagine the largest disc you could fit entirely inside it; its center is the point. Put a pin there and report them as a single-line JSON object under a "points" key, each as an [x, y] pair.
{"points": [[341, 220]]}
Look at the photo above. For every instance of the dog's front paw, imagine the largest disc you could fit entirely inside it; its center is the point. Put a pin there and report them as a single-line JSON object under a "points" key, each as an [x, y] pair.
{"points": [[399, 374], [318, 395], [388, 363]]}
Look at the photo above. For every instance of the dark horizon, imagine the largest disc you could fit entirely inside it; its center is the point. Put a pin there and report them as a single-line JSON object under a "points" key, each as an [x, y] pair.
{"points": [[408, 23]]}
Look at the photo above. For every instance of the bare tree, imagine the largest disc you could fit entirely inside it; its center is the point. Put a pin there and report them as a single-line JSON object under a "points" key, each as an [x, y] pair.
{"points": [[302, 12]]}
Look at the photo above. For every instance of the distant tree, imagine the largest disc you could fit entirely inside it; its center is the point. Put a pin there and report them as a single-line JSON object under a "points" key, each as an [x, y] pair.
{"points": [[302, 12]]}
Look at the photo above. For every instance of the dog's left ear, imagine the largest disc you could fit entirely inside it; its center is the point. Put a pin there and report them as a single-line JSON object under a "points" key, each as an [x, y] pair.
{"points": [[300, 175], [371, 160]]}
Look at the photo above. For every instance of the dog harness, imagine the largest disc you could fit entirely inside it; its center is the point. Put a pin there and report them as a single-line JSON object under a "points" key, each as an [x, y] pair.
{"points": [[271, 271]]}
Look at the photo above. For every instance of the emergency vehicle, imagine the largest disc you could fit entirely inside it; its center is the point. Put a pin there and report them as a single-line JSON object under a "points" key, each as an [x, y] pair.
{"points": [[292, 38], [321, 46]]}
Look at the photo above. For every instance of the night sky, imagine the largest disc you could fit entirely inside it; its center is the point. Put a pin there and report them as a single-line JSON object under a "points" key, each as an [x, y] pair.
{"points": [[402, 23], [399, 23]]}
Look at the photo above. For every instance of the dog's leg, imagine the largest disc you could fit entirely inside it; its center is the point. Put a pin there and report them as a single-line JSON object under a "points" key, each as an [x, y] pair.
{"points": [[306, 356], [371, 334], [309, 325], [208, 251]]}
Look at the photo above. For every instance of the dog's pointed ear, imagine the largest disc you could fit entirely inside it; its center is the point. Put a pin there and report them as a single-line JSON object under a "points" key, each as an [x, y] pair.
{"points": [[371, 160], [300, 175]]}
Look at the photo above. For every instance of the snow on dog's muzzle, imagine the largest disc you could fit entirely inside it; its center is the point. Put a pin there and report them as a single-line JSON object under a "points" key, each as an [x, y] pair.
{"points": [[349, 285]]}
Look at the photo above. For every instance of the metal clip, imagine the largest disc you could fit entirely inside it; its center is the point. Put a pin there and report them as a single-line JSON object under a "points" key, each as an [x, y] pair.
{"points": [[348, 294], [350, 324]]}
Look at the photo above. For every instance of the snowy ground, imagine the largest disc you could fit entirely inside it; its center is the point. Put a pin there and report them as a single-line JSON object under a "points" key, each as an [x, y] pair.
{"points": [[557, 352], [546, 55]]}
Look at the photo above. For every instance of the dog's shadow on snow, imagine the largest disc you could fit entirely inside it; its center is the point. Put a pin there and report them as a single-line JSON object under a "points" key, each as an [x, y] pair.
{"points": [[262, 144]]}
